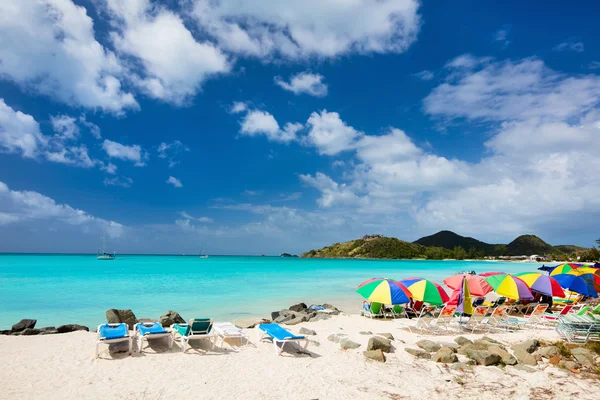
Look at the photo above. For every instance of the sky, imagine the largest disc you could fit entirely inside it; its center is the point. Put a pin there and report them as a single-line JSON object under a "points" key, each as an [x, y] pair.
{"points": [[268, 127]]}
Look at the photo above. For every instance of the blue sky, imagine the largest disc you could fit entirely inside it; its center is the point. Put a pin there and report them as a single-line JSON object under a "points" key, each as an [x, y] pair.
{"points": [[254, 127]]}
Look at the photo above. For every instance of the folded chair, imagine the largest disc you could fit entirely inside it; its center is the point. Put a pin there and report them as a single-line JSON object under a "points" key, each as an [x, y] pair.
{"points": [[279, 335], [195, 329], [148, 331], [112, 333], [227, 330]]}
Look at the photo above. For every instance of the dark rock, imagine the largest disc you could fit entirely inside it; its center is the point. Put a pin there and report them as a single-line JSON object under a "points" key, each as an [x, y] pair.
{"points": [[274, 315], [49, 330], [330, 307], [461, 340], [428, 345], [114, 316], [72, 328], [306, 331], [30, 332], [320, 316], [296, 320], [24, 324], [445, 355], [337, 337], [171, 317], [5, 332], [283, 318], [349, 344], [376, 355], [298, 307], [506, 357], [387, 335], [380, 343], [365, 333], [144, 320], [418, 353]]}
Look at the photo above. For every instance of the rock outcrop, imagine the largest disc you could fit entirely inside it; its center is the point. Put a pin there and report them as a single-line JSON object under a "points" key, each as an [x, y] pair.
{"points": [[376, 355], [24, 324], [114, 316], [380, 343], [171, 317]]}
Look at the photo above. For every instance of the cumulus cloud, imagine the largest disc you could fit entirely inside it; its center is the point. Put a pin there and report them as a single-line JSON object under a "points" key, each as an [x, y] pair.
{"points": [[321, 28], [27, 207], [49, 46], [65, 127], [19, 133], [133, 153], [172, 151], [262, 123], [304, 83], [174, 181], [238, 107], [329, 134], [93, 128]]}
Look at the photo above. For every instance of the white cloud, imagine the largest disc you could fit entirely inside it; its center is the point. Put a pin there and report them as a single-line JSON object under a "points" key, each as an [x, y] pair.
{"points": [[329, 134], [570, 45], [93, 128], [257, 123], [49, 46], [594, 65], [501, 36], [425, 75], [174, 64], [172, 151], [19, 132], [393, 146], [28, 206], [321, 28], [238, 107], [65, 127], [187, 216], [118, 181], [109, 168], [132, 153], [332, 193], [174, 181], [304, 82]]}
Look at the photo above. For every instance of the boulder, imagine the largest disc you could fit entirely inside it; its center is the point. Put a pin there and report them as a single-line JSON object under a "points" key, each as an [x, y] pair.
{"points": [[464, 350], [387, 335], [171, 317], [376, 355], [296, 320], [489, 339], [583, 356], [274, 315], [319, 316], [24, 324], [249, 323], [5, 332], [525, 368], [283, 318], [71, 328], [331, 309], [306, 331], [337, 337], [445, 355], [29, 332], [567, 364], [506, 357], [298, 307], [418, 353], [523, 356], [49, 330], [380, 343], [461, 366], [548, 351], [114, 316], [452, 345], [461, 340], [365, 333], [483, 343], [428, 345], [529, 345], [349, 344], [484, 357]]}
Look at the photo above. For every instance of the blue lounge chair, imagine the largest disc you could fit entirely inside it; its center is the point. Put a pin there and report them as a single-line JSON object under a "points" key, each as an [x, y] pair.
{"points": [[197, 328], [150, 330], [112, 333], [279, 335]]}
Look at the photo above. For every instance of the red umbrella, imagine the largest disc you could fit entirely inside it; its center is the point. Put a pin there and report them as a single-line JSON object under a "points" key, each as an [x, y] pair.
{"points": [[477, 285], [492, 273], [453, 298]]}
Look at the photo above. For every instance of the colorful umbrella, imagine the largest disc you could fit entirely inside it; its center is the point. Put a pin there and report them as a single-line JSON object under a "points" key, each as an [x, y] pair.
{"points": [[510, 286], [465, 304], [542, 283], [424, 290], [485, 274], [564, 268], [590, 275], [477, 285], [575, 284], [385, 291]]}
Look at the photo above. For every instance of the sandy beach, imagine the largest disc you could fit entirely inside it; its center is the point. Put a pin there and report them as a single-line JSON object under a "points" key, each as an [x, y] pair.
{"points": [[64, 366]]}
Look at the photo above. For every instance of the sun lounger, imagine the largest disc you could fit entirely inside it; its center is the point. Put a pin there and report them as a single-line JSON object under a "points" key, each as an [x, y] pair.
{"points": [[279, 335], [446, 318], [195, 329], [375, 310], [578, 328], [535, 319], [476, 320], [495, 319], [150, 330], [112, 333], [227, 330], [553, 317]]}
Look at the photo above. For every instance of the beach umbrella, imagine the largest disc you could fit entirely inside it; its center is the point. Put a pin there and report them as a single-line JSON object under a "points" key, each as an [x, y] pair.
{"points": [[477, 285], [510, 286], [542, 283], [453, 301], [385, 291], [546, 268], [425, 290], [564, 268], [465, 304], [575, 284], [590, 275], [485, 274]]}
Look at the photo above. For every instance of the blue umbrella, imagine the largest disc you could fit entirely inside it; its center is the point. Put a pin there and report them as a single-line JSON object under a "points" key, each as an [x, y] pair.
{"points": [[546, 268], [575, 284]]}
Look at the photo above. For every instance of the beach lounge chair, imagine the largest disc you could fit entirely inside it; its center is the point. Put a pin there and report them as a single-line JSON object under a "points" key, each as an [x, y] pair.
{"points": [[150, 330], [495, 319], [112, 333], [535, 319], [578, 328], [446, 318], [553, 317], [227, 330], [195, 329], [279, 335], [373, 311], [476, 320]]}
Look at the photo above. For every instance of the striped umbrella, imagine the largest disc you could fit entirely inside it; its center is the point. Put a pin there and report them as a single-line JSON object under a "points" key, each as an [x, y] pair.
{"points": [[542, 283], [477, 285], [486, 274], [510, 286], [575, 284], [590, 275], [385, 291], [564, 268], [425, 290]]}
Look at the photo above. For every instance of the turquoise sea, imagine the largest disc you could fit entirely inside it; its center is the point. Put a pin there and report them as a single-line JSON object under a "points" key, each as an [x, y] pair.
{"points": [[59, 289]]}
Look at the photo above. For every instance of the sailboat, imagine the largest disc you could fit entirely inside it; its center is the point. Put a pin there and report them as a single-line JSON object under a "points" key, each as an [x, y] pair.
{"points": [[101, 254], [202, 255]]}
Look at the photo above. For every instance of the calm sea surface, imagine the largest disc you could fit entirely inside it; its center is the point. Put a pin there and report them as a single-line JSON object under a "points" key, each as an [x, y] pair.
{"points": [[59, 289]]}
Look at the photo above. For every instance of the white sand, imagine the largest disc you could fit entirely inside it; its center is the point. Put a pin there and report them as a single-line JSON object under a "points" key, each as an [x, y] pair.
{"points": [[63, 366]]}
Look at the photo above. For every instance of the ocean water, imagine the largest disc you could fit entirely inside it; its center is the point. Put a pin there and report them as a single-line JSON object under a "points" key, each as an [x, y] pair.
{"points": [[60, 289]]}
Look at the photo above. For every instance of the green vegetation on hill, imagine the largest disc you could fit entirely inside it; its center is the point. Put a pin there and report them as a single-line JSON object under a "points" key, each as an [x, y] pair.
{"points": [[529, 245], [449, 240]]}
